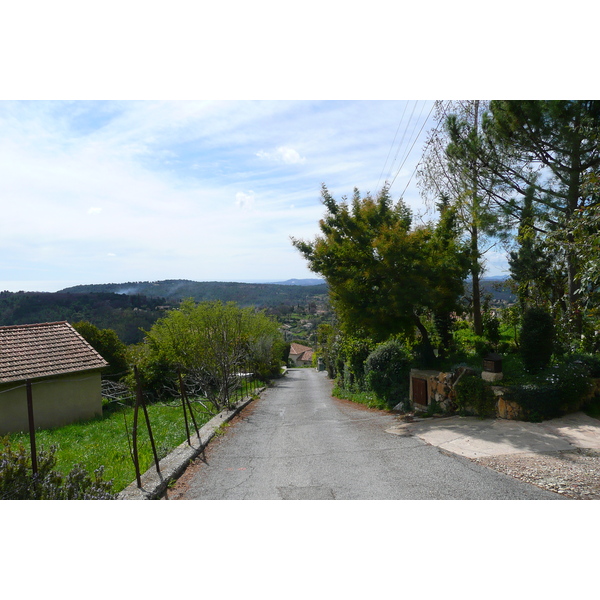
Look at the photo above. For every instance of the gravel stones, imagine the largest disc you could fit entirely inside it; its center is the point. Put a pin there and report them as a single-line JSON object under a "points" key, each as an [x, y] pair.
{"points": [[571, 473]]}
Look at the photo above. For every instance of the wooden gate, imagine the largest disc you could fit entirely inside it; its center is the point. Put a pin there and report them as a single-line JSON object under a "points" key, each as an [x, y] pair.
{"points": [[419, 391]]}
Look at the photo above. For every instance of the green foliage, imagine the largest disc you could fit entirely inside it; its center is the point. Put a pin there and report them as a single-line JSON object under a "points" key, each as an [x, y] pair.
{"points": [[107, 343], [591, 363], [491, 328], [537, 400], [366, 398], [560, 389], [158, 376], [510, 320], [470, 344], [381, 274], [326, 347], [354, 352], [537, 339], [212, 343], [123, 313], [106, 441], [387, 371], [474, 394], [18, 482], [260, 295]]}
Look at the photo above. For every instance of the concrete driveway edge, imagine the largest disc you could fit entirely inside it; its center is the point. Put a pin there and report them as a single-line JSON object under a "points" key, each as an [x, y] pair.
{"points": [[176, 462]]}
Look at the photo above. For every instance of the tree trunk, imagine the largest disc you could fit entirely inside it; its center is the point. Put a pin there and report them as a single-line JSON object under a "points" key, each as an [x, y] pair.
{"points": [[428, 354], [477, 321], [573, 204]]}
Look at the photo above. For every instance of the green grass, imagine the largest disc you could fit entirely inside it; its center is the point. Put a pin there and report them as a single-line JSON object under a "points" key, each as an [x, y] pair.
{"points": [[369, 399], [104, 440]]}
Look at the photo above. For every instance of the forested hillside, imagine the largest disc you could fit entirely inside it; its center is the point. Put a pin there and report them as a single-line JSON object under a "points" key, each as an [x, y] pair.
{"points": [[125, 314], [245, 294], [128, 308]]}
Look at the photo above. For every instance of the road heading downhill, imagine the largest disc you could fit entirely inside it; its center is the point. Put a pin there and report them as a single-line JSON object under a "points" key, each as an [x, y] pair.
{"points": [[297, 442]]}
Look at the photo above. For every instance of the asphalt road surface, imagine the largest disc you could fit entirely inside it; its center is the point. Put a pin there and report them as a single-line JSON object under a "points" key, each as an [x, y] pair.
{"points": [[298, 443]]}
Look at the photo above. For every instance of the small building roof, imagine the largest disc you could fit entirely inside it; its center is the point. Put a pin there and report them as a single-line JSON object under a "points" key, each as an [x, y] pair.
{"points": [[299, 349], [44, 350], [301, 352]]}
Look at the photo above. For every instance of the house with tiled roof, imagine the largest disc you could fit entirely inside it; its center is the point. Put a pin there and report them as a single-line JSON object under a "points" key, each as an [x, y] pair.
{"points": [[63, 370], [300, 355]]}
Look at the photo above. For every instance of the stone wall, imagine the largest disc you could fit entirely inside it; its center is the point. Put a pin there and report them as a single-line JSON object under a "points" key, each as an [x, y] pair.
{"points": [[440, 389]]}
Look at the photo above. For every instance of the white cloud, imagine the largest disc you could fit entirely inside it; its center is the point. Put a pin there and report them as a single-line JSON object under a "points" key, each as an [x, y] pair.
{"points": [[283, 154], [245, 201], [94, 210]]}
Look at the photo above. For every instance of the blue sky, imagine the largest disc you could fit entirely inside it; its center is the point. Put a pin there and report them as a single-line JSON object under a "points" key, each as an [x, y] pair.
{"points": [[114, 191], [121, 183]]}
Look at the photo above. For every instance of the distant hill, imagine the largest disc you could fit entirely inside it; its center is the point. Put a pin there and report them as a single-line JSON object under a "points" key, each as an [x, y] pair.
{"points": [[300, 282], [127, 315], [262, 295], [496, 287], [129, 307]]}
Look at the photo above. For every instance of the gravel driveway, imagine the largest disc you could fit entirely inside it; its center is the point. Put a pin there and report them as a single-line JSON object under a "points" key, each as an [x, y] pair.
{"points": [[571, 473]]}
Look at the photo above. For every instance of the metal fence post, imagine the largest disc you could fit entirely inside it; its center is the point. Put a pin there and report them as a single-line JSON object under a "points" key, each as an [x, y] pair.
{"points": [[31, 427]]}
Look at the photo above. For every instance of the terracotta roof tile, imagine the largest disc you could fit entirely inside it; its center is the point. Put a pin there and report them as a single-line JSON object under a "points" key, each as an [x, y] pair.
{"points": [[298, 348], [44, 350]]}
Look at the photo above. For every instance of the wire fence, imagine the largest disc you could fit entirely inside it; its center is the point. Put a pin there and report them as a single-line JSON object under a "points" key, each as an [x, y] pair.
{"points": [[188, 391]]}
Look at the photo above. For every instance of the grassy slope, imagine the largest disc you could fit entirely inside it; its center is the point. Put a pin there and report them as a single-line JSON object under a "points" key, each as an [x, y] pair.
{"points": [[106, 440]]}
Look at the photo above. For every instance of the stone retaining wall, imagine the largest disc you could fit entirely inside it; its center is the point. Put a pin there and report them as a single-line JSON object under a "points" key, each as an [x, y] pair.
{"points": [[440, 389]]}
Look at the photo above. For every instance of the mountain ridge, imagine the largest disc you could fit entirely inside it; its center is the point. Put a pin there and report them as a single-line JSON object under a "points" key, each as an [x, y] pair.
{"points": [[259, 294]]}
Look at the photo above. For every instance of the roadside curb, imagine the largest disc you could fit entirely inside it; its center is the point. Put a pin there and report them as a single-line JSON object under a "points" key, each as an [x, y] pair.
{"points": [[177, 461]]}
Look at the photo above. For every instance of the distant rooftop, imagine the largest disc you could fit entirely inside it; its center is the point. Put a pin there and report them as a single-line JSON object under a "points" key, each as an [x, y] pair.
{"points": [[44, 350], [301, 352]]}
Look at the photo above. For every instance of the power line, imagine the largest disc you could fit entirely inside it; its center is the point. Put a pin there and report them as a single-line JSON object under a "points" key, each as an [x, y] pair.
{"points": [[413, 144], [444, 111], [411, 135], [392, 145], [402, 140]]}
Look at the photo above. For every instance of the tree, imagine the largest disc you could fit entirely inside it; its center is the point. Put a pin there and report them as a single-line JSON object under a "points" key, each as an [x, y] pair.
{"points": [[533, 269], [447, 171], [537, 339], [107, 343], [550, 147], [213, 343], [383, 276]]}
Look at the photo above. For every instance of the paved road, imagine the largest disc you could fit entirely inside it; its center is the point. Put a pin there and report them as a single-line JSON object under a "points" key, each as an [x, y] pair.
{"points": [[298, 443]]}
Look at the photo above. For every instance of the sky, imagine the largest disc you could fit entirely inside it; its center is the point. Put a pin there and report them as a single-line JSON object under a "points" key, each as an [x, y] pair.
{"points": [[139, 143], [116, 191]]}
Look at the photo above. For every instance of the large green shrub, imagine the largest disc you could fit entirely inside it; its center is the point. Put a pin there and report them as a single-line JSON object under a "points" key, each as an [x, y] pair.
{"points": [[491, 327], [560, 389], [387, 371], [537, 339], [18, 482], [474, 394], [354, 351]]}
